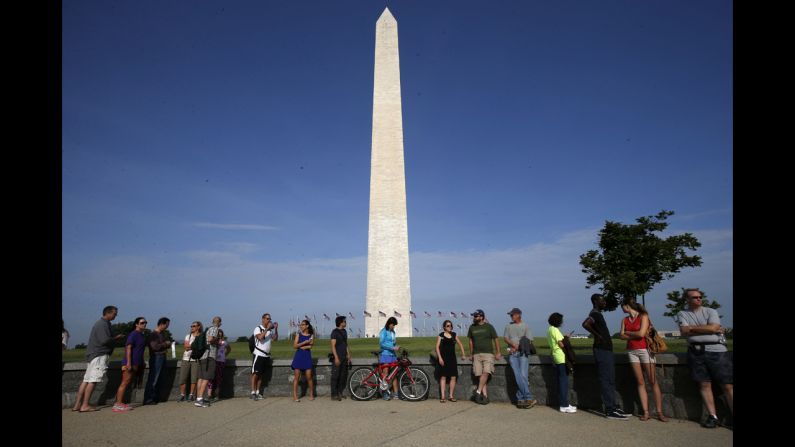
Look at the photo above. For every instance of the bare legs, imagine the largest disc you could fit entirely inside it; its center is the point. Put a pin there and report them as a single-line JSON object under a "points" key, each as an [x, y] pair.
{"points": [[83, 396], [309, 381], [126, 378], [638, 369]]}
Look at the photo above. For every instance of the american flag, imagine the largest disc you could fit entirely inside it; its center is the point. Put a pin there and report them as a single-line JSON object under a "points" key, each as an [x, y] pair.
{"points": [[381, 314], [413, 315], [453, 315], [326, 317], [336, 314], [350, 314], [427, 314], [306, 317], [397, 314], [459, 325], [441, 314], [367, 314], [416, 330]]}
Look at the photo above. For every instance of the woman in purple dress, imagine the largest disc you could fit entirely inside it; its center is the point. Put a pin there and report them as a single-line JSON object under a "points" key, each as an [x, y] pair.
{"points": [[302, 361]]}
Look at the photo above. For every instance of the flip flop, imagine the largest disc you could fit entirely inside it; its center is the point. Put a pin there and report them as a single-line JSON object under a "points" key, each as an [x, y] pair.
{"points": [[442, 401], [645, 417], [89, 410], [662, 418], [453, 399]]}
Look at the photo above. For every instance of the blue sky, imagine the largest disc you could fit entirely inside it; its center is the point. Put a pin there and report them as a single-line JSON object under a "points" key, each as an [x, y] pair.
{"points": [[216, 154]]}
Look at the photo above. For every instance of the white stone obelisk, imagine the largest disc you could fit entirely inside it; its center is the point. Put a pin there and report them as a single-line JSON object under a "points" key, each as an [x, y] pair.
{"points": [[388, 287]]}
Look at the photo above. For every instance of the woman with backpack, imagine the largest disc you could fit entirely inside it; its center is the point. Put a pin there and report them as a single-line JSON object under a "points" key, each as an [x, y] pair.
{"points": [[302, 360], [189, 368], [634, 328]]}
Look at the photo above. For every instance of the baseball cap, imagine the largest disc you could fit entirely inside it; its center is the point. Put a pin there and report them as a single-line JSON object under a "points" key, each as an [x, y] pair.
{"points": [[515, 310], [478, 312]]}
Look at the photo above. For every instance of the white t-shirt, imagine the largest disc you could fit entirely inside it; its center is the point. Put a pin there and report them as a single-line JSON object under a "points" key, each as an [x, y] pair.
{"points": [[264, 344]]}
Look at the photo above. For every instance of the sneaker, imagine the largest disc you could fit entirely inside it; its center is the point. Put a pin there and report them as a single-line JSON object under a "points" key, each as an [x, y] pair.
{"points": [[191, 397], [201, 403], [620, 411], [617, 416], [253, 396], [484, 400], [213, 399], [711, 422], [181, 398], [568, 409], [260, 396], [477, 398], [521, 404], [531, 403], [385, 395], [120, 408]]}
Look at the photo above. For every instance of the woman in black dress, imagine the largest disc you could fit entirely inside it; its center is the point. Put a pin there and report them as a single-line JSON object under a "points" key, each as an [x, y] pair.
{"points": [[445, 352]]}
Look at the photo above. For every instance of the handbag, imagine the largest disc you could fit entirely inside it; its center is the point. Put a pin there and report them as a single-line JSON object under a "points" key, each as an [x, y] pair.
{"points": [[654, 342]]}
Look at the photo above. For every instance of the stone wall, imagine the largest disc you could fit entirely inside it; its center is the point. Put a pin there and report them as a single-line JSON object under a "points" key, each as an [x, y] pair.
{"points": [[681, 398]]}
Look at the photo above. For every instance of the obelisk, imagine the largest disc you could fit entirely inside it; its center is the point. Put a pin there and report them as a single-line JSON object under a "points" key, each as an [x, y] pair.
{"points": [[388, 287]]}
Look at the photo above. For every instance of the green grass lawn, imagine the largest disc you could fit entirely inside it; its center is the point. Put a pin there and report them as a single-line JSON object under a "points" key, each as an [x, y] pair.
{"points": [[418, 347]]}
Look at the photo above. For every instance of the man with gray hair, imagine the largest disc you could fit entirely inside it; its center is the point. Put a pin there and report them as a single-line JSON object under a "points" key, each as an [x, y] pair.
{"points": [[207, 363], [707, 355], [98, 351]]}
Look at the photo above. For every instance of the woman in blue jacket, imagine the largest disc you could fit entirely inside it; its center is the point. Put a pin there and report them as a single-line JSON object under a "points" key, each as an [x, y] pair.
{"points": [[389, 348]]}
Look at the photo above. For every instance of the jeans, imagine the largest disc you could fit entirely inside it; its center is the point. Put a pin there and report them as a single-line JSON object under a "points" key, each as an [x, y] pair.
{"points": [[155, 367], [563, 385], [606, 371], [339, 376], [519, 365]]}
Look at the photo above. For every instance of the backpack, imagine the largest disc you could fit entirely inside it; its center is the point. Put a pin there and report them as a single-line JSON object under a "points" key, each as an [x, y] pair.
{"points": [[654, 343], [199, 346]]}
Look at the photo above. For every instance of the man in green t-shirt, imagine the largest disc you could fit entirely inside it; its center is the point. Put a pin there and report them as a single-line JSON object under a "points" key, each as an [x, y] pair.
{"points": [[485, 348]]}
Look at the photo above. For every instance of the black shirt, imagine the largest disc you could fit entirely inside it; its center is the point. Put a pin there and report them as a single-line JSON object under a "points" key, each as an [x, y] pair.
{"points": [[600, 325], [341, 335]]}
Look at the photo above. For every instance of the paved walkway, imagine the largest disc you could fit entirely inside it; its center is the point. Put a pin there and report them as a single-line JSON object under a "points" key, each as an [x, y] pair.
{"points": [[280, 421]]}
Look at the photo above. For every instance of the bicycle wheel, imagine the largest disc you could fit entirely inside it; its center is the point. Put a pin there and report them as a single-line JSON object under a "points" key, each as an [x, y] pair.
{"points": [[362, 384], [415, 387]]}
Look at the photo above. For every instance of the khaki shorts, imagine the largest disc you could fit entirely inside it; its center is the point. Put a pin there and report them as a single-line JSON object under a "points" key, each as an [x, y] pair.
{"points": [[483, 363], [640, 356], [188, 372], [95, 370]]}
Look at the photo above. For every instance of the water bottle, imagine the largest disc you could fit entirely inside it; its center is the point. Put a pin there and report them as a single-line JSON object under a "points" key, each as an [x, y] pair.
{"points": [[721, 338]]}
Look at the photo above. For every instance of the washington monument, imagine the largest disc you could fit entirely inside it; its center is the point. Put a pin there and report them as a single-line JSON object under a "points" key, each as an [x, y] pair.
{"points": [[388, 285]]}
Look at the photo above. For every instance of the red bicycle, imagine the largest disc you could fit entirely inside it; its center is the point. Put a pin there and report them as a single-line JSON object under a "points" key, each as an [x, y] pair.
{"points": [[413, 383]]}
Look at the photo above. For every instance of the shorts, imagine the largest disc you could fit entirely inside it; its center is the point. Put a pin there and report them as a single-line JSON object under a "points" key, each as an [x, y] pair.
{"points": [[96, 368], [482, 363], [640, 356], [259, 364], [705, 365], [188, 372], [207, 369]]}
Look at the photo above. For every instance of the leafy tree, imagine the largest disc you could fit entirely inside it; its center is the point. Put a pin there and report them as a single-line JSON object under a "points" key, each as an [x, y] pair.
{"points": [[631, 258], [242, 339], [81, 346], [679, 302], [728, 332]]}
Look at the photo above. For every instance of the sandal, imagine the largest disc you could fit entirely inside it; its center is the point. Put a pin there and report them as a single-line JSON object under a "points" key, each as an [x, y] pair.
{"points": [[645, 417], [442, 400], [453, 399], [662, 417]]}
